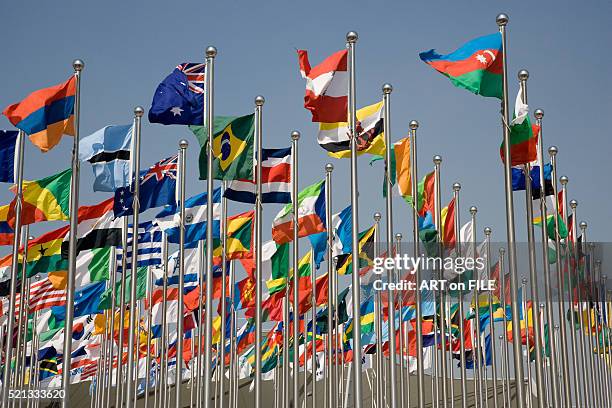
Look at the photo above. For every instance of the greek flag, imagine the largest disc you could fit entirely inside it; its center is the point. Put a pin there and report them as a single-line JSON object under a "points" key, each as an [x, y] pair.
{"points": [[149, 246]]}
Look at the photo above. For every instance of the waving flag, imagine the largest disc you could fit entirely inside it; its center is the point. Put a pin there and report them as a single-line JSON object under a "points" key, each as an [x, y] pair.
{"points": [[179, 98], [476, 66], [108, 151], [8, 140], [326, 87], [195, 218], [45, 115], [6, 231], [311, 215], [44, 295], [45, 253], [149, 246], [240, 235], [157, 188], [275, 180], [523, 135]]}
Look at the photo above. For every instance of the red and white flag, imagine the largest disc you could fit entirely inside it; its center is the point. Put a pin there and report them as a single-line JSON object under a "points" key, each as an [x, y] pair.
{"points": [[326, 87]]}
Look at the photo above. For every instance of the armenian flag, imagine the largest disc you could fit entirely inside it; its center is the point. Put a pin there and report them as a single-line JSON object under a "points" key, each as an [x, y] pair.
{"points": [[46, 199], [45, 115], [476, 66]]}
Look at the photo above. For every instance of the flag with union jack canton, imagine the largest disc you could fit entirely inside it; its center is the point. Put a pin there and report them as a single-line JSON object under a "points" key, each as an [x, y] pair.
{"points": [[179, 98], [157, 188]]}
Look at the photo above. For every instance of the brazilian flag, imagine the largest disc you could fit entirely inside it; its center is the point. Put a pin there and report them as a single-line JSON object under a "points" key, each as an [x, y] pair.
{"points": [[232, 147]]}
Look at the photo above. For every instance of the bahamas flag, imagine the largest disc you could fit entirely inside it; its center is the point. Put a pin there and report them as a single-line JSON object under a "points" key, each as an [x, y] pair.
{"points": [[45, 115], [232, 147], [44, 200]]}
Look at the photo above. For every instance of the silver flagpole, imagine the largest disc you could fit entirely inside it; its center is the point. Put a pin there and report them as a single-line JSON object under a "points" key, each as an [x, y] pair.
{"points": [[209, 118], [149, 311], [387, 89], [487, 232], [506, 352], [576, 254], [546, 376], [596, 289], [331, 300], [232, 358], [592, 319], [23, 301], [10, 323], [523, 75], [478, 367], [414, 125], [113, 279], [183, 144], [119, 377], [259, 101], [138, 112], [78, 66], [556, 394], [502, 21], [589, 340], [398, 239], [378, 319], [313, 340], [221, 364], [526, 318], [295, 136], [552, 151], [163, 398], [576, 367], [351, 39], [199, 363], [456, 189]]}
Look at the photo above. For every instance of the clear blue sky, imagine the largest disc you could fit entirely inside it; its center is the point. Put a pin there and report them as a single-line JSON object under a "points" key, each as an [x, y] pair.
{"points": [[130, 46]]}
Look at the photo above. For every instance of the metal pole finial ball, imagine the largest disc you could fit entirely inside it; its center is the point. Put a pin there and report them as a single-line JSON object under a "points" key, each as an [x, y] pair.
{"points": [[456, 186], [398, 236], [351, 37], [31, 238], [211, 51], [502, 251], [523, 75], [138, 111], [524, 280], [387, 88], [473, 210], [183, 144], [259, 100], [573, 204], [563, 180], [437, 159], [538, 113], [414, 125], [542, 305], [78, 65], [377, 216], [329, 167], [552, 150], [295, 135], [583, 225], [501, 19], [487, 231]]}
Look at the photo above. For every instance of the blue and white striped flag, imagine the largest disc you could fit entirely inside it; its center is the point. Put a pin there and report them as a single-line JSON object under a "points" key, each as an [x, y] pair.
{"points": [[149, 246]]}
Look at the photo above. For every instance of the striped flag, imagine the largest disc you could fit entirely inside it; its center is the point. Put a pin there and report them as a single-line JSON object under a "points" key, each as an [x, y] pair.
{"points": [[43, 295], [149, 246], [275, 180]]}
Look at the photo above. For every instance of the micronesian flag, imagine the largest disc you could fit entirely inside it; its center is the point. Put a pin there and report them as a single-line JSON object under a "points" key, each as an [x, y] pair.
{"points": [[8, 140], [157, 188], [179, 98], [195, 218], [108, 151]]}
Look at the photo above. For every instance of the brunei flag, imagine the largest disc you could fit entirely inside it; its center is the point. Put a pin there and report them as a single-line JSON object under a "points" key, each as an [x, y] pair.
{"points": [[45, 115], [334, 137], [232, 147]]}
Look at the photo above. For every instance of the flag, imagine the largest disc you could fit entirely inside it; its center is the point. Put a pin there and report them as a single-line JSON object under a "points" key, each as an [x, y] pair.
{"points": [[6, 231], [45, 115], [195, 218], [232, 147], [86, 301], [425, 191], [108, 151], [239, 235], [44, 295], [326, 87], [477, 66], [149, 246], [449, 237], [97, 228], [157, 188], [334, 137], [344, 265], [92, 265], [8, 140], [311, 215], [46, 199], [45, 253], [518, 179], [523, 135], [275, 180], [179, 98], [343, 222], [400, 170]]}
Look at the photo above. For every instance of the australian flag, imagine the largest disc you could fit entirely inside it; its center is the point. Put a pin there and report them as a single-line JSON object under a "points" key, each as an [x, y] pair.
{"points": [[179, 99], [157, 188]]}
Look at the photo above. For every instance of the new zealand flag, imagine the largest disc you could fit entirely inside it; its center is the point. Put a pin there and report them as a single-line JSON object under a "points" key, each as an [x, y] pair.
{"points": [[157, 188]]}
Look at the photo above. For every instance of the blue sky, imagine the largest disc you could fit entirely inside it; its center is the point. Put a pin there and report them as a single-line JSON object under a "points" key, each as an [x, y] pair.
{"points": [[130, 46]]}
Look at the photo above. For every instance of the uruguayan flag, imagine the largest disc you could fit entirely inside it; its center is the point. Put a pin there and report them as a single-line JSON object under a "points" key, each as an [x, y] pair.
{"points": [[149, 246], [195, 218]]}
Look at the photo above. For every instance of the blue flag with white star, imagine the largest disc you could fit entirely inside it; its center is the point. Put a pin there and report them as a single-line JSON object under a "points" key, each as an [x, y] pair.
{"points": [[157, 188], [179, 99]]}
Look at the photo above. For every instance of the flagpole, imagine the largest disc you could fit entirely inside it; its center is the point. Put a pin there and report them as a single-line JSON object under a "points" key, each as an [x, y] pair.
{"points": [[556, 396], [295, 136], [10, 322], [259, 101], [506, 351], [578, 391], [397, 277], [477, 369], [378, 319], [119, 382], [583, 227], [149, 311], [221, 364], [351, 39], [387, 89], [414, 125], [23, 301], [163, 398], [525, 313], [596, 289], [592, 318], [138, 112], [183, 144], [313, 340], [201, 276], [331, 300], [487, 232], [78, 66], [523, 75], [232, 358], [112, 264]]}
